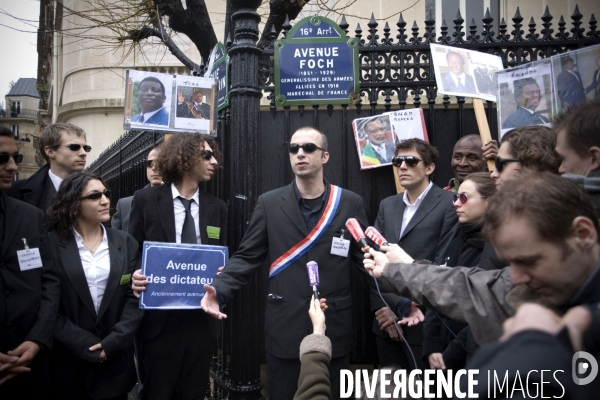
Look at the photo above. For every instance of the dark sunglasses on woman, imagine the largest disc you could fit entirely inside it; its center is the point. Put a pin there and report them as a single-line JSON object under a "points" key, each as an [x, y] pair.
{"points": [[4, 157], [96, 195], [306, 147], [464, 198], [499, 162], [411, 161]]}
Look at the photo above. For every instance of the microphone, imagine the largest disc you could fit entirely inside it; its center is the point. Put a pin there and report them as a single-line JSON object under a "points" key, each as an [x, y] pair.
{"points": [[313, 277], [376, 236], [358, 234]]}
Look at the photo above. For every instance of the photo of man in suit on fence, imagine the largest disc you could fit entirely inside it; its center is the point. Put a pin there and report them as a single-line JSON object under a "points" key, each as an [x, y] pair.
{"points": [[151, 95], [379, 146], [194, 108], [595, 86], [456, 80], [528, 97], [569, 85]]}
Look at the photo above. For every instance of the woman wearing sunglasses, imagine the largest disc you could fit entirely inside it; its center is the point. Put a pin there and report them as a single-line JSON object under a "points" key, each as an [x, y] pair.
{"points": [[92, 356], [447, 343]]}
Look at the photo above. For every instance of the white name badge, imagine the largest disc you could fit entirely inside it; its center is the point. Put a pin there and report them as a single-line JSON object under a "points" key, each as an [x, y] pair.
{"points": [[29, 259], [340, 247]]}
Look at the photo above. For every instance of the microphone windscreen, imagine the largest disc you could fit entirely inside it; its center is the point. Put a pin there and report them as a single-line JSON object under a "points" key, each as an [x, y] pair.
{"points": [[376, 236], [313, 272], [355, 230]]}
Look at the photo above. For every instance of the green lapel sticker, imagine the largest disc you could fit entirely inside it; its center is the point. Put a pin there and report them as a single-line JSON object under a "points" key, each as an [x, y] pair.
{"points": [[125, 279], [213, 232]]}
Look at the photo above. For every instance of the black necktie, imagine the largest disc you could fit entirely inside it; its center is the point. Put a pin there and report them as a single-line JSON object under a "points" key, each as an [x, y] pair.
{"points": [[141, 119], [188, 231]]}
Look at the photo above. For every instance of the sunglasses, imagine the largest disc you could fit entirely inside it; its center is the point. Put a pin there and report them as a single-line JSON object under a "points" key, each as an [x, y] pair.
{"points": [[411, 161], [96, 195], [4, 157], [149, 163], [76, 147], [499, 162], [308, 148], [207, 154], [464, 198]]}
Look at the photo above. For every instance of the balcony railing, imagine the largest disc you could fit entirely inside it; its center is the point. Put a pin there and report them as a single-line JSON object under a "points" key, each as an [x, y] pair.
{"points": [[18, 113]]}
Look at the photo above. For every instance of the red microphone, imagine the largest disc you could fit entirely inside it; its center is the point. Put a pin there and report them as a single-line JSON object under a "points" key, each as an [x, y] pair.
{"points": [[358, 234], [376, 236]]}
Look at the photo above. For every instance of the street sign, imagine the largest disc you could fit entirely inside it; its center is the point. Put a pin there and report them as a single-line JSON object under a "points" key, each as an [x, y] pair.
{"points": [[316, 64], [218, 68]]}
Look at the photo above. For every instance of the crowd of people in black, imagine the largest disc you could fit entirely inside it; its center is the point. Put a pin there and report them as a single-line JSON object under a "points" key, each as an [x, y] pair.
{"points": [[498, 271]]}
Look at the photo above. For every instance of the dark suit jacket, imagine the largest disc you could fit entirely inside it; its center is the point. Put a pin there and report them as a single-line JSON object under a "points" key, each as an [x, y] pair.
{"points": [[522, 117], [183, 111], [79, 327], [275, 227], [449, 85], [37, 190], [595, 86], [121, 218], [570, 88], [153, 219], [28, 299], [427, 236], [160, 118]]}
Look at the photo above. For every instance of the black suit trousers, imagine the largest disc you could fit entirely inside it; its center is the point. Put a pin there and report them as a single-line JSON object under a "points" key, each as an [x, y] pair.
{"points": [[181, 372]]}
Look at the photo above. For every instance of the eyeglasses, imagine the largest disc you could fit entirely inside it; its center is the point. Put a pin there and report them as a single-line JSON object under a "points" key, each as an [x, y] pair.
{"points": [[4, 157], [207, 154], [464, 198], [149, 163], [411, 161], [499, 162], [76, 147], [306, 147], [96, 195]]}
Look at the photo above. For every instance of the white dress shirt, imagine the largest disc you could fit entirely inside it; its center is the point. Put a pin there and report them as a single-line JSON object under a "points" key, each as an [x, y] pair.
{"points": [[56, 180], [411, 209], [180, 213], [380, 150], [96, 267]]}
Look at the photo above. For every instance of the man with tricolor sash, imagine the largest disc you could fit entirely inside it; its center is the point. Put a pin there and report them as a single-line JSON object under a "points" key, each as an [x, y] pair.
{"points": [[301, 222]]}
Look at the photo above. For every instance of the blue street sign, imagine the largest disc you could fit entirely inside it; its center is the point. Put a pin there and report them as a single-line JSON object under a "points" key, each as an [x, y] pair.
{"points": [[316, 64]]}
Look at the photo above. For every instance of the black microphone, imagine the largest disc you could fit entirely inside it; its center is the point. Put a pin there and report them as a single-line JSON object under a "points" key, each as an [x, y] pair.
{"points": [[357, 233], [313, 277], [376, 237]]}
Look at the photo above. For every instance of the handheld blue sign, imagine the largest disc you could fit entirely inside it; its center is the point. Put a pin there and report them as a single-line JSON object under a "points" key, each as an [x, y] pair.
{"points": [[177, 273]]}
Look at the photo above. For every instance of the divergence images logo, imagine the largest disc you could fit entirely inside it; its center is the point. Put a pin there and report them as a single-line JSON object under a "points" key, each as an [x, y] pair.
{"points": [[582, 364]]}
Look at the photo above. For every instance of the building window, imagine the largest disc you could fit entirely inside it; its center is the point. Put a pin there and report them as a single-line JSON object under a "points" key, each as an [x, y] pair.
{"points": [[15, 108], [15, 130]]}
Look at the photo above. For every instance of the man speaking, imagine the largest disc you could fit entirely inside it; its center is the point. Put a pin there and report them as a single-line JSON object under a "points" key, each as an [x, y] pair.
{"points": [[301, 222]]}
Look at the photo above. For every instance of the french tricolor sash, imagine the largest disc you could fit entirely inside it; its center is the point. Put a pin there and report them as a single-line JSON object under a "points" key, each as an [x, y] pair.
{"points": [[293, 254]]}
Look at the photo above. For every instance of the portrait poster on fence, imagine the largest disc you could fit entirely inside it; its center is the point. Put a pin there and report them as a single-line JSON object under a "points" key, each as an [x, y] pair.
{"points": [[525, 96], [164, 102], [467, 73], [177, 273], [376, 136], [577, 77], [196, 104]]}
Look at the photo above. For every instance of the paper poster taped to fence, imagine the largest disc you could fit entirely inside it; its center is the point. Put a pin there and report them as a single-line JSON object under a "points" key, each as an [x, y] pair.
{"points": [[467, 73], [525, 96], [376, 136], [164, 102]]}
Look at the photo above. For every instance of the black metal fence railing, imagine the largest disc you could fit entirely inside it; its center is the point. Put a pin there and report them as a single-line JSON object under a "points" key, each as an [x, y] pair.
{"points": [[396, 72]]}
